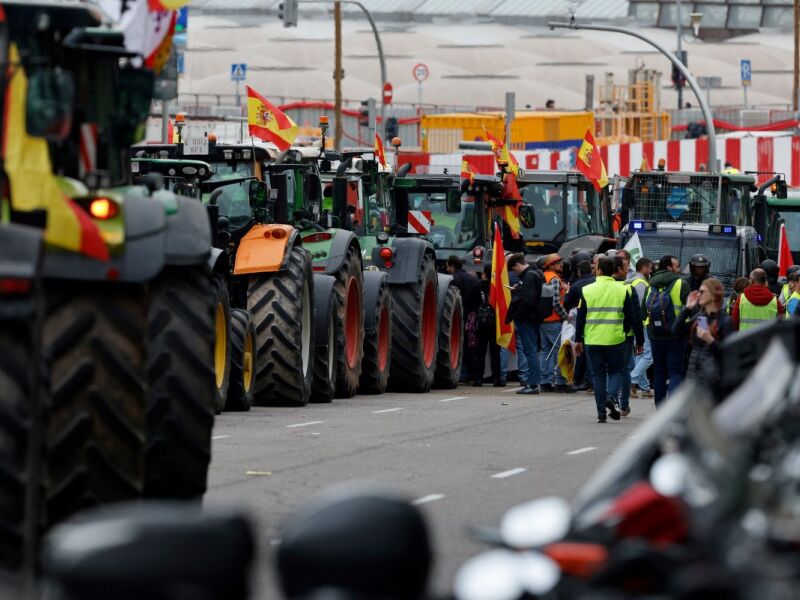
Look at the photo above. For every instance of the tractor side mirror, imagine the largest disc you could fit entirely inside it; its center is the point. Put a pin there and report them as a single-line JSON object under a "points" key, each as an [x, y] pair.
{"points": [[453, 201], [49, 104], [258, 194], [527, 216], [628, 199], [760, 215], [780, 189]]}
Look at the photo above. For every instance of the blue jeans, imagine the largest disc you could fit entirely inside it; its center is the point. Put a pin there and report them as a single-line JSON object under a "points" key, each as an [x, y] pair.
{"points": [[522, 362], [643, 362], [548, 358], [528, 333], [606, 363], [668, 359], [622, 391]]}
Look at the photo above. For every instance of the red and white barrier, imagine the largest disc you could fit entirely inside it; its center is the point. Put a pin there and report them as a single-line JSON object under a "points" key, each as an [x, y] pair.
{"points": [[87, 159]]}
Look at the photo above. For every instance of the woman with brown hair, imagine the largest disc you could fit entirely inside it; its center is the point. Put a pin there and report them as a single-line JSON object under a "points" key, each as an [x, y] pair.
{"points": [[706, 324]]}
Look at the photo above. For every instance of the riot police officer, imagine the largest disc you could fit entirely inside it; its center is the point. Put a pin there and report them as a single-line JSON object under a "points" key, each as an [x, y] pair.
{"points": [[699, 268]]}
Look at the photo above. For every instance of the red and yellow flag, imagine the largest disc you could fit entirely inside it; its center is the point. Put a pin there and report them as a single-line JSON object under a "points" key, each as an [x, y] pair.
{"points": [[167, 4], [468, 170], [501, 153], [267, 122], [379, 153], [590, 162], [511, 211], [499, 294]]}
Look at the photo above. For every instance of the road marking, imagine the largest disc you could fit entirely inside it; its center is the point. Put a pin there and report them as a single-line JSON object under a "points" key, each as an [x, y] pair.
{"points": [[582, 450], [219, 437], [509, 473], [258, 473], [452, 399], [385, 410], [304, 424], [426, 499], [516, 389]]}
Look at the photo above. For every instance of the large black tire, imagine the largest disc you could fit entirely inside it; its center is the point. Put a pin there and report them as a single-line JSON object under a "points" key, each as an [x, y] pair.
{"points": [[243, 361], [94, 341], [222, 343], [283, 312], [350, 324], [451, 326], [182, 391], [323, 387], [21, 438], [415, 331], [376, 366]]}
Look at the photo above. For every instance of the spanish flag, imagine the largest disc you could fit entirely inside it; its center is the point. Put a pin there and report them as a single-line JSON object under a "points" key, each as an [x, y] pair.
{"points": [[269, 123], [590, 163], [379, 154], [156, 5], [501, 153], [32, 184], [467, 170], [499, 294], [511, 211]]}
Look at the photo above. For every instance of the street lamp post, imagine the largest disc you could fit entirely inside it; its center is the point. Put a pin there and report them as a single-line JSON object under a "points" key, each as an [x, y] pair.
{"points": [[679, 29], [712, 134]]}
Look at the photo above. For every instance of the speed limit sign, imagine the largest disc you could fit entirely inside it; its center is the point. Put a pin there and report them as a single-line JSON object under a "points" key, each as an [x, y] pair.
{"points": [[421, 72]]}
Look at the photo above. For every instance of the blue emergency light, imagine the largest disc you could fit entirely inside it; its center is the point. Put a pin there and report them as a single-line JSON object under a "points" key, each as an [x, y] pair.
{"points": [[722, 229], [643, 225]]}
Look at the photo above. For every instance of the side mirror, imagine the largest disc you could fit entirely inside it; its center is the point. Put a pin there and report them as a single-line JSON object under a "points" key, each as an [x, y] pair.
{"points": [[258, 194], [49, 104], [453, 201], [628, 199], [527, 216], [780, 189], [760, 215]]}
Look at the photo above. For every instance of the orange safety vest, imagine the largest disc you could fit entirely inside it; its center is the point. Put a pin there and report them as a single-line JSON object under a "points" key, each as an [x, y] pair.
{"points": [[548, 277]]}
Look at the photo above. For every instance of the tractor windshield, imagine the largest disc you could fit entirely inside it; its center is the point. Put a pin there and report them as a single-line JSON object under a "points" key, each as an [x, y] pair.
{"points": [[448, 228], [234, 203], [229, 170], [562, 211]]}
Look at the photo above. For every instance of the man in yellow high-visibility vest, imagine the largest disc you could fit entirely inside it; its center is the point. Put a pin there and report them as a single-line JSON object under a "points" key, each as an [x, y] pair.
{"points": [[757, 304], [605, 313]]}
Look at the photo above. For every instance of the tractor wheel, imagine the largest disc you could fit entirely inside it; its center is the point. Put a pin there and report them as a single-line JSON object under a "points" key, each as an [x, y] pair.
{"points": [[414, 332], [21, 441], [243, 361], [182, 391], [325, 364], [451, 325], [222, 343], [94, 340], [283, 312], [350, 324], [377, 345]]}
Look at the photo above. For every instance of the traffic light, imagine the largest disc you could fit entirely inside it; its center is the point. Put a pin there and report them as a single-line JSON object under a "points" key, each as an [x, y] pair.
{"points": [[678, 80], [287, 11], [363, 114], [392, 129]]}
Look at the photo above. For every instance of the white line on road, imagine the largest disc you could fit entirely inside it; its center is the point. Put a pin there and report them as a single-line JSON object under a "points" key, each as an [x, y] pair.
{"points": [[304, 424], [582, 450], [426, 499], [509, 473], [219, 437], [385, 410], [452, 399], [516, 389]]}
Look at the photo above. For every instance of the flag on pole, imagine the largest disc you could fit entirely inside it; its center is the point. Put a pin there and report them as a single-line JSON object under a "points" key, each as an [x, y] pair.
{"points": [[167, 4], [499, 294], [644, 166], [590, 162], [379, 154], [267, 122], [502, 155], [511, 211], [468, 170], [785, 259]]}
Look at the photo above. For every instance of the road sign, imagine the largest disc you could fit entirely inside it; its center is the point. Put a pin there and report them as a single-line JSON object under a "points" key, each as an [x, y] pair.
{"points": [[421, 72], [195, 145], [388, 92], [746, 73], [238, 71]]}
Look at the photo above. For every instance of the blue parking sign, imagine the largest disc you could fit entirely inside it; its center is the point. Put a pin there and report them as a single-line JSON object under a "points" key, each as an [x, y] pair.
{"points": [[746, 72], [238, 71]]}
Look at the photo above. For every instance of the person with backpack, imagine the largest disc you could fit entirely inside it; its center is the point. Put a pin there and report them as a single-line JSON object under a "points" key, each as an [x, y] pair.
{"points": [[640, 281], [605, 313], [531, 303], [662, 303], [485, 333]]}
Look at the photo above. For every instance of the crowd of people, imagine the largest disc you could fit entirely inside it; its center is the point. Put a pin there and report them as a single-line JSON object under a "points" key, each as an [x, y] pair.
{"points": [[635, 330]]}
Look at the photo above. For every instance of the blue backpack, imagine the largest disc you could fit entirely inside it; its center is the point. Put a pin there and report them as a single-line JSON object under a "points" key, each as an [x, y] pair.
{"points": [[660, 310]]}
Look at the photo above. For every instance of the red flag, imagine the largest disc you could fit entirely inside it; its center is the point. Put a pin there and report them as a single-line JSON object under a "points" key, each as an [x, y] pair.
{"points": [[590, 163], [499, 293], [511, 211], [379, 154], [468, 170], [785, 259]]}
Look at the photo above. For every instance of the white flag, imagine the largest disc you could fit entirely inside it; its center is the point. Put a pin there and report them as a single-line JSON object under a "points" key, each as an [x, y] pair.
{"points": [[635, 248]]}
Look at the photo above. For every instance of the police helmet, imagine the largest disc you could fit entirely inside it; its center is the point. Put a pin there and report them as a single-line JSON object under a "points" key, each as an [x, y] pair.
{"points": [[771, 268], [699, 260]]}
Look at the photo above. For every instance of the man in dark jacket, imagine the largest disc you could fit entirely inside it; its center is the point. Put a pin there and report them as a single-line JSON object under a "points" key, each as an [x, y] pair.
{"points": [[584, 277], [522, 311], [669, 349]]}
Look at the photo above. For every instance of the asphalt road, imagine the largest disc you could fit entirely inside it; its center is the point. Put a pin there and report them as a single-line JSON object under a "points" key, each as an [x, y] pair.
{"points": [[464, 455]]}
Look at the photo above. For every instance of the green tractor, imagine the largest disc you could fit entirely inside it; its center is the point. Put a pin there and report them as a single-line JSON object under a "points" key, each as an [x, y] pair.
{"points": [[124, 341]]}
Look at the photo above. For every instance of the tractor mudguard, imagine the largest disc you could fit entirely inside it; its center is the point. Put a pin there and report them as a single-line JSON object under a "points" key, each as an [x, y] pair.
{"points": [[323, 299], [218, 261], [188, 233], [141, 259], [409, 253], [20, 251], [342, 239], [373, 281], [261, 252], [444, 283]]}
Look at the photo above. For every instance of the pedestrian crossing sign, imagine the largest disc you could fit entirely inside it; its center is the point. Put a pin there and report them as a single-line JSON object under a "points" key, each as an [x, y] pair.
{"points": [[238, 71]]}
